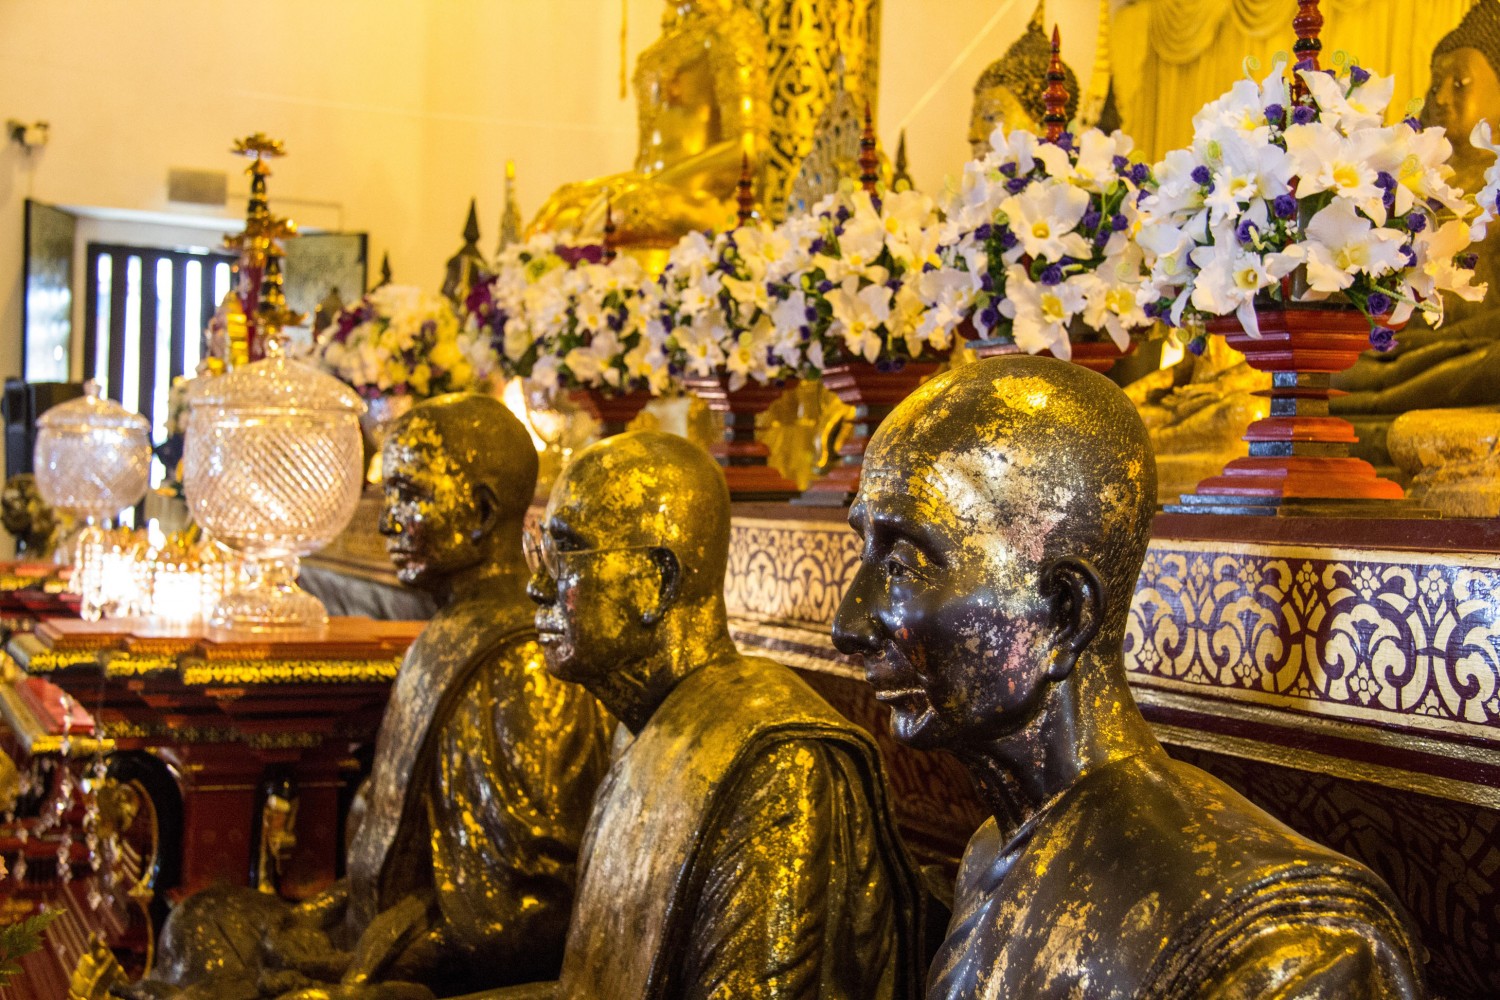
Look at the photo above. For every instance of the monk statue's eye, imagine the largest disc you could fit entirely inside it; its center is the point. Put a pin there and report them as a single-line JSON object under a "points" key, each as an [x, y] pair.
{"points": [[904, 561]]}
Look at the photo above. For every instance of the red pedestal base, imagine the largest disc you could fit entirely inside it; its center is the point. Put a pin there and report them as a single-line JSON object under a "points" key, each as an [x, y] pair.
{"points": [[873, 393], [745, 460], [614, 411], [1299, 460]]}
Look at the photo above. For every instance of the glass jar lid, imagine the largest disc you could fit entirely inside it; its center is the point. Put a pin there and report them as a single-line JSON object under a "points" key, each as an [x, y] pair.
{"points": [[91, 412], [277, 383]]}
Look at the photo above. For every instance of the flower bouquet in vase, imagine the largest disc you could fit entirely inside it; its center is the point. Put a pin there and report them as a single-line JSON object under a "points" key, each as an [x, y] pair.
{"points": [[396, 346], [718, 308], [1304, 230], [849, 312], [597, 331], [1037, 246]]}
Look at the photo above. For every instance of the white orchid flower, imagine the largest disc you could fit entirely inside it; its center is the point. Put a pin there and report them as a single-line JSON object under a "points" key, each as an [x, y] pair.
{"points": [[1230, 277], [1437, 270], [1362, 107], [1325, 160], [1486, 196], [1341, 244], [1040, 314], [858, 315], [1044, 217]]}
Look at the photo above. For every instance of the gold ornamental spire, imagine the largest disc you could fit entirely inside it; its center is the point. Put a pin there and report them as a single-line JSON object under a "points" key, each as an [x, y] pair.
{"points": [[510, 218]]}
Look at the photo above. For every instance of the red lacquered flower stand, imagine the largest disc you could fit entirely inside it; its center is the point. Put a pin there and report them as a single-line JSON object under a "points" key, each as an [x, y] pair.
{"points": [[614, 411], [1299, 461], [745, 460], [874, 392]]}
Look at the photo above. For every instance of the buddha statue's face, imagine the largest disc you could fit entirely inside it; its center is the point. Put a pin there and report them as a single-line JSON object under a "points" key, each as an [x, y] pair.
{"points": [[993, 107], [635, 527], [1465, 91], [432, 518]]}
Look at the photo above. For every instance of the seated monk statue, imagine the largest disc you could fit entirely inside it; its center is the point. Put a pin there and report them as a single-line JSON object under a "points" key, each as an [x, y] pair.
{"points": [[742, 844], [461, 871], [701, 102], [1456, 364], [1004, 512]]}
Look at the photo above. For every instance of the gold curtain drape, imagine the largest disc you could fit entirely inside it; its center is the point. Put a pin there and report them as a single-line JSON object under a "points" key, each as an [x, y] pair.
{"points": [[1173, 56]]}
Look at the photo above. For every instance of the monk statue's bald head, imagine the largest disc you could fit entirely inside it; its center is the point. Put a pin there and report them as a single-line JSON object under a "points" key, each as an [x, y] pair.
{"points": [[1005, 508], [458, 472], [630, 574]]}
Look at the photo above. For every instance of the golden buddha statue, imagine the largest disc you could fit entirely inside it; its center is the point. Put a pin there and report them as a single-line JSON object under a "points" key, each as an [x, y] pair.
{"points": [[461, 869], [1009, 92], [742, 844], [1458, 363], [1005, 510], [702, 104]]}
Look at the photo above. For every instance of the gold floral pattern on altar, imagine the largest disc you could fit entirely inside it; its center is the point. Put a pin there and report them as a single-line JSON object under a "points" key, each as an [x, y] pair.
{"points": [[1392, 636]]}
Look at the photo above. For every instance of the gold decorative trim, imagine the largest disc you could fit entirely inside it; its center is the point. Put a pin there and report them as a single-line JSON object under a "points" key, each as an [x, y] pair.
{"points": [[126, 665], [198, 672], [1335, 767]]}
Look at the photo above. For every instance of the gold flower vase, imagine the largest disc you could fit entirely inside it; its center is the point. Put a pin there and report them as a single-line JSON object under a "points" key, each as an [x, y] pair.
{"points": [[1299, 461], [745, 459], [873, 390], [613, 410]]}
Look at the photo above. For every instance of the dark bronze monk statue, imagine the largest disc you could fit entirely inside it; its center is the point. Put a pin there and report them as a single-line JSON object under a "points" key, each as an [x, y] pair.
{"points": [[741, 845], [1004, 512], [461, 871]]}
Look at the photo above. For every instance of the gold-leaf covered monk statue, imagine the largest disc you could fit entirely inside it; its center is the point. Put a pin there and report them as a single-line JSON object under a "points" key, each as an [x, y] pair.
{"points": [[702, 105], [1004, 511], [461, 871], [742, 844], [1456, 364]]}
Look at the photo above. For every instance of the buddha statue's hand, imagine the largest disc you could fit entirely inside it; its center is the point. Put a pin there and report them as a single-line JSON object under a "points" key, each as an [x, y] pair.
{"points": [[304, 949], [326, 909], [397, 941]]}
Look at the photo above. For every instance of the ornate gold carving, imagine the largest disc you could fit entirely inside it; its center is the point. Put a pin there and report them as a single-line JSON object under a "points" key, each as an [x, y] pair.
{"points": [[250, 672]]}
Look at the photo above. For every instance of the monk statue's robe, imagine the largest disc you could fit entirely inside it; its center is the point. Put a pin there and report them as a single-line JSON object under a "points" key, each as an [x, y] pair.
{"points": [[461, 874], [1187, 888], [742, 847]]}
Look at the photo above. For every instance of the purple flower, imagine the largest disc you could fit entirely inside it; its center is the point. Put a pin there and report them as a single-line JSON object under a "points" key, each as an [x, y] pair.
{"points": [[1201, 175], [1118, 223], [673, 368], [1245, 233], [1411, 122], [1275, 113], [825, 286], [1389, 201], [812, 314], [1467, 261], [1385, 181], [843, 214], [1379, 304], [1304, 66], [1008, 169], [1416, 222], [1065, 141], [1285, 206], [1409, 254], [1153, 310], [1007, 238], [1303, 115], [1140, 173], [1052, 275], [1197, 345], [984, 232], [1090, 219], [1359, 75], [885, 365], [990, 317], [817, 246], [987, 282], [805, 332], [1017, 185], [1120, 164], [1382, 338], [929, 267]]}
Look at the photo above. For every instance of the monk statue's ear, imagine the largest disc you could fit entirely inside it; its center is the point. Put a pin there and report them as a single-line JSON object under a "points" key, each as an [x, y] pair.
{"points": [[1078, 598], [670, 569], [488, 508]]}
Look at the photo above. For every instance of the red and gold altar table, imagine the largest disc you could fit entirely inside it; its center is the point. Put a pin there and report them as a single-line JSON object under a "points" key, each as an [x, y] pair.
{"points": [[238, 752]]}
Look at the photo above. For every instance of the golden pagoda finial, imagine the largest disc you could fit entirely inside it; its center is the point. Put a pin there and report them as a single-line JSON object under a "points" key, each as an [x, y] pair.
{"points": [[869, 159], [260, 239], [510, 217], [745, 191], [609, 232], [901, 178], [273, 315], [1055, 99], [385, 270], [1091, 108]]}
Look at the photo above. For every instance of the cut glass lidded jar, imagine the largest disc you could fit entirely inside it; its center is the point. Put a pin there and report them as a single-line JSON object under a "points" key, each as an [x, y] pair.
{"points": [[272, 468], [92, 457]]}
